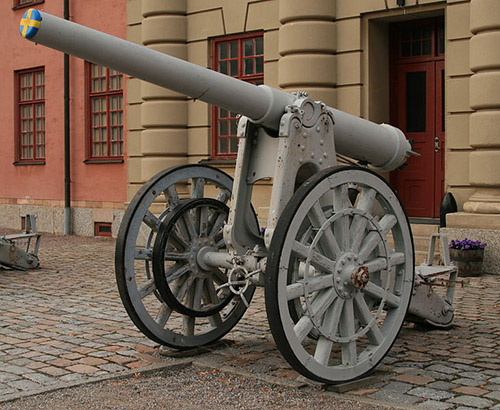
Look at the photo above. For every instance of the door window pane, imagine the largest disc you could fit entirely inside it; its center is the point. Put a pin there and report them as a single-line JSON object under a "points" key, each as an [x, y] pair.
{"points": [[416, 101]]}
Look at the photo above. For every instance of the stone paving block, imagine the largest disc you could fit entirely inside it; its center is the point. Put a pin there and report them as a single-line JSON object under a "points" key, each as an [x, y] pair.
{"points": [[473, 375], [468, 382], [432, 394], [441, 385], [472, 401], [436, 405], [493, 395], [24, 384], [389, 396], [469, 390], [40, 378], [441, 369], [413, 379]]}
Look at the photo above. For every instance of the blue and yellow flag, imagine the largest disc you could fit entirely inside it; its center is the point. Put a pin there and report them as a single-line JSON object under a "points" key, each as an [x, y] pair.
{"points": [[30, 23]]}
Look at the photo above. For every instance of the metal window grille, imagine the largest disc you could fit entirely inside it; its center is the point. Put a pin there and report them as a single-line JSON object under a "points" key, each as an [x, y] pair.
{"points": [[30, 98], [105, 102], [242, 57]]}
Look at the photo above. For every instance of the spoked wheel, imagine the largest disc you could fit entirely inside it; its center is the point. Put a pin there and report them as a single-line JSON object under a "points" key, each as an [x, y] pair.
{"points": [[148, 211], [339, 275], [183, 281]]}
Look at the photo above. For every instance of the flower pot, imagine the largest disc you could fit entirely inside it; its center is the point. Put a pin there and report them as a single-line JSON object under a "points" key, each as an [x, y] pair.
{"points": [[469, 262]]}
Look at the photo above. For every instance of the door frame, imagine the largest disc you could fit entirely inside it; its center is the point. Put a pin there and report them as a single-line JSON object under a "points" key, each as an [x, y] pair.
{"points": [[397, 61]]}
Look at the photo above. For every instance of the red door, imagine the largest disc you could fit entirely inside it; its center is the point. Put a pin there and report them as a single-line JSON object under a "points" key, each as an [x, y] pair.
{"points": [[418, 110]]}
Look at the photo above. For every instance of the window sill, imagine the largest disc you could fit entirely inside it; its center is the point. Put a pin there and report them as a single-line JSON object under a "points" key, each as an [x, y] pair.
{"points": [[23, 6], [28, 163], [104, 161], [218, 161]]}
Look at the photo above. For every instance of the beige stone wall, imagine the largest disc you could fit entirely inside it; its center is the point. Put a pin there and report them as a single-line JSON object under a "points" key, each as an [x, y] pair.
{"points": [[338, 51]]}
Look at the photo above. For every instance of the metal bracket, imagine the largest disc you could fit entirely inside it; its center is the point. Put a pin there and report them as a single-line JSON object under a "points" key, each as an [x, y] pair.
{"points": [[13, 256]]}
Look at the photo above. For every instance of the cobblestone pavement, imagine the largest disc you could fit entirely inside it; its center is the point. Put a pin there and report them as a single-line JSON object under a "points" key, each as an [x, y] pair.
{"points": [[65, 325]]}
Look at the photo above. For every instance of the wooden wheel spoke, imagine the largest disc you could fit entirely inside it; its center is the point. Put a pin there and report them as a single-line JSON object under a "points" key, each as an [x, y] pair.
{"points": [[364, 315], [315, 284], [377, 264], [176, 272], [210, 292], [317, 309], [359, 222], [347, 330], [171, 196], [341, 199], [144, 254], [198, 293], [372, 240], [187, 225], [223, 196], [203, 221], [216, 223], [327, 239], [152, 221], [319, 261], [330, 326], [197, 188], [148, 288], [376, 292], [163, 315]]}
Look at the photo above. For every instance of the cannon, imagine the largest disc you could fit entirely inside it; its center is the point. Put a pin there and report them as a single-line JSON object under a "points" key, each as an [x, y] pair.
{"points": [[335, 257]]}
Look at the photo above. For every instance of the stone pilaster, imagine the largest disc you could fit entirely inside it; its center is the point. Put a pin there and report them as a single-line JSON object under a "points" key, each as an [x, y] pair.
{"points": [[307, 47], [161, 140], [484, 132]]}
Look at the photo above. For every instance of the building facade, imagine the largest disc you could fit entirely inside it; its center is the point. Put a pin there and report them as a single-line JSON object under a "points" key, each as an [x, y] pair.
{"points": [[32, 136], [430, 67]]}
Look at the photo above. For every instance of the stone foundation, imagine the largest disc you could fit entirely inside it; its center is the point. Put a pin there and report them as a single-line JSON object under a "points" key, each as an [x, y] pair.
{"points": [[50, 219]]}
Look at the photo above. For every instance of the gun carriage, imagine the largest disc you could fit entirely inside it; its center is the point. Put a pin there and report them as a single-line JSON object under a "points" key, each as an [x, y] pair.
{"points": [[336, 257]]}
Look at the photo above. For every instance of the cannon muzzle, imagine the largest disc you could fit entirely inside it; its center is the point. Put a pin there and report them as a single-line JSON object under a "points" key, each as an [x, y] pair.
{"points": [[383, 146]]}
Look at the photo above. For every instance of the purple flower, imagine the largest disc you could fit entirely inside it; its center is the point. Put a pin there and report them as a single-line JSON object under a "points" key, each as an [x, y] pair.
{"points": [[466, 244]]}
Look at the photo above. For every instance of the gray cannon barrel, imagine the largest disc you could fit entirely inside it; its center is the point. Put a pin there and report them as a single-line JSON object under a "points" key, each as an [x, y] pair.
{"points": [[383, 146]]}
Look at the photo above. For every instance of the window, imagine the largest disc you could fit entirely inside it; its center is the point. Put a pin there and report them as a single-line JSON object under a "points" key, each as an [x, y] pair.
{"points": [[105, 124], [25, 3], [30, 132], [241, 57], [421, 39]]}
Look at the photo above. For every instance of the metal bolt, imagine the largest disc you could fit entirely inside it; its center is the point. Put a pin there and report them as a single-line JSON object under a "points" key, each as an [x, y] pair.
{"points": [[321, 142], [297, 125], [346, 283], [318, 129], [320, 160], [304, 134], [312, 155], [325, 155], [338, 279]]}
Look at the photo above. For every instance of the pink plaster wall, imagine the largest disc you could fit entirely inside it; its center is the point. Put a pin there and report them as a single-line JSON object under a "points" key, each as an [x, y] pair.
{"points": [[90, 182]]}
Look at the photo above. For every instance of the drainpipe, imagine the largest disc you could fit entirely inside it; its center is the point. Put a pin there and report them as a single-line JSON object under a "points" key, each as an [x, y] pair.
{"points": [[67, 176]]}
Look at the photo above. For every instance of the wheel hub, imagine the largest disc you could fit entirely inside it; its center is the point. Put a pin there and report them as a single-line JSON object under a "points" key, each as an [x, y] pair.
{"points": [[350, 275], [198, 244]]}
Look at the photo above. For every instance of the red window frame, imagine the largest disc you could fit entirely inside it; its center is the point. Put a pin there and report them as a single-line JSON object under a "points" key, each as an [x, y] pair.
{"points": [[19, 4], [102, 142], [30, 143], [414, 38], [224, 121]]}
